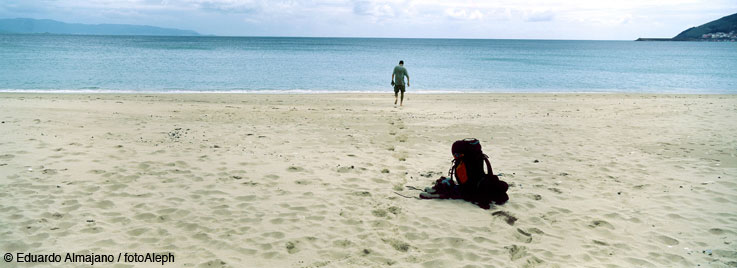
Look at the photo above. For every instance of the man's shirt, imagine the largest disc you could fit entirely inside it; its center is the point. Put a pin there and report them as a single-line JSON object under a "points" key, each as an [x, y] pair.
{"points": [[399, 73]]}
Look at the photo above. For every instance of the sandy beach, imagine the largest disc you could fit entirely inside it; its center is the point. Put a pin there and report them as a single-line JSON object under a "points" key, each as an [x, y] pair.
{"points": [[319, 180]]}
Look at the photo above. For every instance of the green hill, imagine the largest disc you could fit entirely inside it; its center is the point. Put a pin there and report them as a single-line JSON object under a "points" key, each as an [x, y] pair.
{"points": [[34, 26], [724, 25]]}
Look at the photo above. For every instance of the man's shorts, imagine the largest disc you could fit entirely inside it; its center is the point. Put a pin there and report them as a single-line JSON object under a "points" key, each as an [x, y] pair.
{"points": [[397, 88]]}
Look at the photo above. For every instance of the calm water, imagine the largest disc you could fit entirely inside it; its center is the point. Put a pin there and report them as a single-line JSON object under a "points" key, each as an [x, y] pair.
{"points": [[144, 63]]}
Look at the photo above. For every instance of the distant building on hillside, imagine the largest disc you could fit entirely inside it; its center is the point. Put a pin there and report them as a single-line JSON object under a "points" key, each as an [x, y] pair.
{"points": [[720, 36]]}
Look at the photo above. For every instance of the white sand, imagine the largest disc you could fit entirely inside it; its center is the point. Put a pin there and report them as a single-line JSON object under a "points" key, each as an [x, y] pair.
{"points": [[310, 180]]}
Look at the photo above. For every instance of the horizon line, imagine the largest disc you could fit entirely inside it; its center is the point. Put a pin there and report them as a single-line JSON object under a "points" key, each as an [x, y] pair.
{"points": [[328, 37]]}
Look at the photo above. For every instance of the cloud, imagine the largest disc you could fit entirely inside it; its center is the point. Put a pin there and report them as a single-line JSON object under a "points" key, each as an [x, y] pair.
{"points": [[374, 9], [540, 16], [463, 14], [229, 6], [410, 18], [21, 6]]}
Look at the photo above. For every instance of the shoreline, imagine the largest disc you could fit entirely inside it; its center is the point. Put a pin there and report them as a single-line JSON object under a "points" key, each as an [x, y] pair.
{"points": [[276, 92]]}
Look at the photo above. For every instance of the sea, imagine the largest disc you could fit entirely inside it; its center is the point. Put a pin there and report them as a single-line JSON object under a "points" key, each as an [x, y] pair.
{"points": [[153, 64]]}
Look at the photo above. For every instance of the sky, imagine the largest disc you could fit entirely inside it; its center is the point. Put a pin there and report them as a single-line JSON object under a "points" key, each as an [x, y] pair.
{"points": [[488, 19]]}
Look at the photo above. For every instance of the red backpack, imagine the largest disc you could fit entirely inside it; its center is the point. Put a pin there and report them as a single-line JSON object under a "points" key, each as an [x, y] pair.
{"points": [[468, 169], [468, 161]]}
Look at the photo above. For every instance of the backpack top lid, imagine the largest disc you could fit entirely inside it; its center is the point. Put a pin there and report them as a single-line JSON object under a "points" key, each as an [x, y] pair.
{"points": [[466, 147]]}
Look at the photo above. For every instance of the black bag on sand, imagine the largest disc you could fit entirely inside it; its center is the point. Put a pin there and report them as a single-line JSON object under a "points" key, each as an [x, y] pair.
{"points": [[444, 188], [475, 185]]}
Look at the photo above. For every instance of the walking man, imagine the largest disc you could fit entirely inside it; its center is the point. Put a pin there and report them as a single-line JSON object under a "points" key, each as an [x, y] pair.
{"points": [[398, 81]]}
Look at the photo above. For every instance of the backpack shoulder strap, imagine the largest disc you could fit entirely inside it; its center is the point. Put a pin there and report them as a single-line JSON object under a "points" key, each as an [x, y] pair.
{"points": [[451, 171], [488, 165]]}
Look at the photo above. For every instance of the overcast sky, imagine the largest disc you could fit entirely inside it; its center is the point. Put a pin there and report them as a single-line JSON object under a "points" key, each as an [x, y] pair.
{"points": [[517, 19]]}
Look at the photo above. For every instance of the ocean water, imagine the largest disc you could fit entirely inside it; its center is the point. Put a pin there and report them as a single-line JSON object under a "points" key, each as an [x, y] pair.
{"points": [[275, 64]]}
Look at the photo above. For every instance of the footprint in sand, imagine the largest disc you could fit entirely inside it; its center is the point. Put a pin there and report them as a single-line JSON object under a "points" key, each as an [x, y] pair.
{"points": [[379, 213], [523, 236], [49, 171], [397, 244], [342, 243], [509, 218], [719, 231], [555, 190], [516, 252], [667, 240], [213, 264], [291, 247], [362, 194], [295, 169], [600, 224], [394, 210], [401, 156]]}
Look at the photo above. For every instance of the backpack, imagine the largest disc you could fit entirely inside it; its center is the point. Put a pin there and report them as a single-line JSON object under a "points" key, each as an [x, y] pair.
{"points": [[476, 185]]}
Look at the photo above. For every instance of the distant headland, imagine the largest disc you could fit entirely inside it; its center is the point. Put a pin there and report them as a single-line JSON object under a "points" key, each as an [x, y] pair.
{"points": [[721, 30], [34, 26]]}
